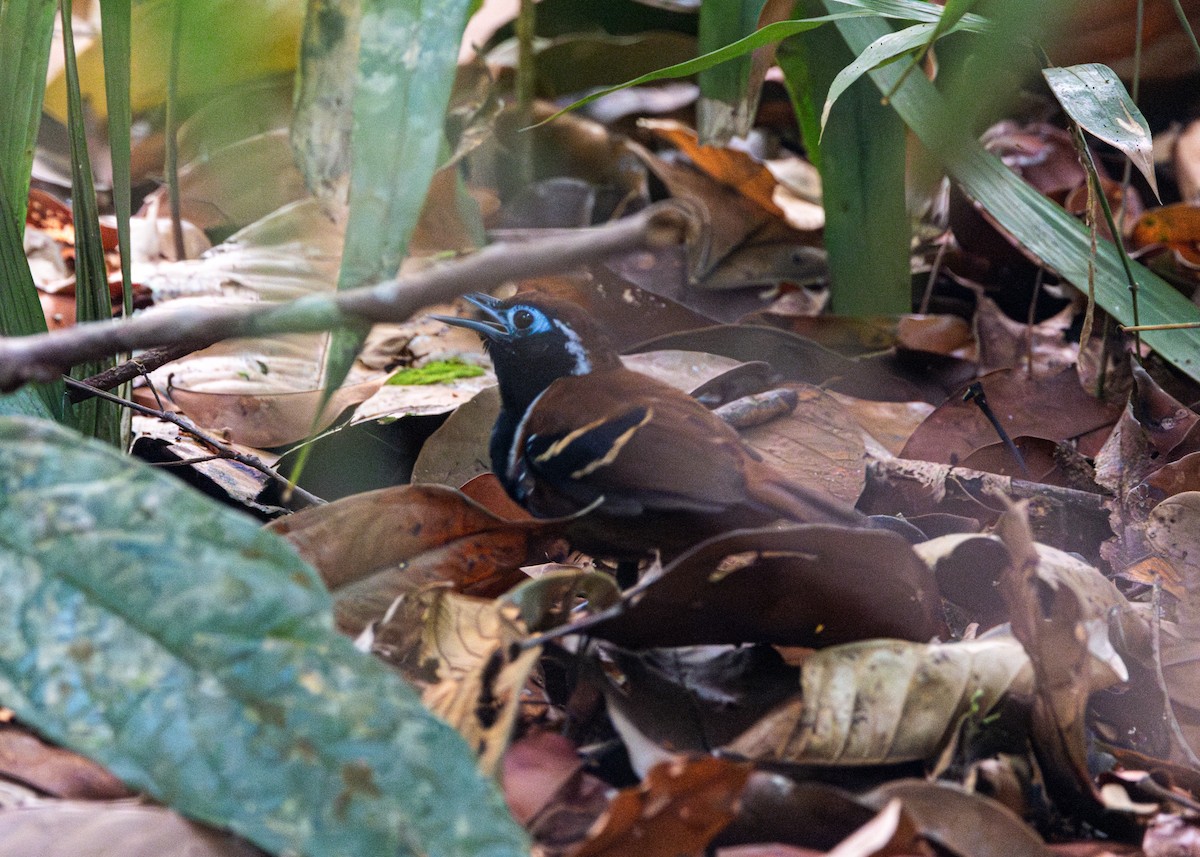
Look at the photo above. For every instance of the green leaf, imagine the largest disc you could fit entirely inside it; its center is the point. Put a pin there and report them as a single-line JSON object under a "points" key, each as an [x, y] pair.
{"points": [[408, 52], [96, 417], [955, 11], [883, 50], [26, 27], [116, 18], [193, 654], [1042, 227], [771, 33], [862, 163], [1096, 99]]}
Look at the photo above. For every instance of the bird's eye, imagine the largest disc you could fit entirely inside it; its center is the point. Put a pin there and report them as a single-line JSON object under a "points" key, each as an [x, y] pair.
{"points": [[522, 319]]}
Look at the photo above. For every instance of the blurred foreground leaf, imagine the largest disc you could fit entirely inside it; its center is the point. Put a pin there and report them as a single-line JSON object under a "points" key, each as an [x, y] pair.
{"points": [[194, 655]]}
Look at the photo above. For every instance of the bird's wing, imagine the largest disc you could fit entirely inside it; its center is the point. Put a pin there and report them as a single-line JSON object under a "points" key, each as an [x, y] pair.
{"points": [[638, 443]]}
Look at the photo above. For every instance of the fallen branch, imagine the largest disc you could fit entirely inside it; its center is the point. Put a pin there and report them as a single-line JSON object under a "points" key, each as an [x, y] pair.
{"points": [[1072, 519], [44, 357]]}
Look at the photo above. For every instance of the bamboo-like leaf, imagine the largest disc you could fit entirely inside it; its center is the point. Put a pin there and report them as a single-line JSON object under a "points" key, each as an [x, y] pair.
{"points": [[408, 50], [26, 27], [1096, 99], [953, 13], [771, 33], [861, 158], [883, 50], [1042, 227], [907, 10], [95, 417], [116, 20], [193, 654]]}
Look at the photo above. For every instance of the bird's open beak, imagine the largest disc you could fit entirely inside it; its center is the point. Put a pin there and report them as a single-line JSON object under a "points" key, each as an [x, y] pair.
{"points": [[491, 326]]}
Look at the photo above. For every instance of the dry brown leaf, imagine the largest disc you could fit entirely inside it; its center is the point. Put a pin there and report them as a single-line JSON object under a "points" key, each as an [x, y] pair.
{"points": [[371, 547], [728, 166], [889, 832], [1055, 408], [961, 822], [1174, 531], [819, 445], [741, 587], [887, 701], [677, 810], [53, 770], [465, 652], [1050, 621]]}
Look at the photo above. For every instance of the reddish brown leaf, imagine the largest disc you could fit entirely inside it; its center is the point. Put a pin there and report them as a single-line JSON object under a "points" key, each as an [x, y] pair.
{"points": [[1054, 408], [371, 547], [677, 810]]}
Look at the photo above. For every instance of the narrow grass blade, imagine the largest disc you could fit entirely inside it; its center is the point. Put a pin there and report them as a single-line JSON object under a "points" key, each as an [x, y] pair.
{"points": [[1042, 227]]}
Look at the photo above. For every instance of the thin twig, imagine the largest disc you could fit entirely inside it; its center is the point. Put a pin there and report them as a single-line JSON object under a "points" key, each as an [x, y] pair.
{"points": [[144, 363], [226, 451], [46, 356]]}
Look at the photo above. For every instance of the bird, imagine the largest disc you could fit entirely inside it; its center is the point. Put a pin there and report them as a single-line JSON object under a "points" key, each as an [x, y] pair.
{"points": [[638, 465]]}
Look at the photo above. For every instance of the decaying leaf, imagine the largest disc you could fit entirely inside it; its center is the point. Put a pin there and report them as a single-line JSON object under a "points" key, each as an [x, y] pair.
{"points": [[887, 701], [1053, 624], [373, 546], [961, 822], [465, 653], [676, 810]]}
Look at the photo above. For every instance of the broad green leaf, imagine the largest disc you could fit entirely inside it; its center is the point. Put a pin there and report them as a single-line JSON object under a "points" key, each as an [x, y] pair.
{"points": [[95, 417], [193, 654], [408, 51], [883, 50], [728, 96], [1042, 227], [1096, 99]]}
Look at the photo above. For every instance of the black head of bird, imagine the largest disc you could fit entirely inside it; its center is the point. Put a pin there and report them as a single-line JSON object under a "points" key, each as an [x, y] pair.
{"points": [[577, 430]]}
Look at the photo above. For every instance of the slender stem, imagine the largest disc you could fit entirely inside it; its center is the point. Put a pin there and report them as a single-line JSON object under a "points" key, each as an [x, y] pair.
{"points": [[1094, 177], [1187, 28], [223, 450]]}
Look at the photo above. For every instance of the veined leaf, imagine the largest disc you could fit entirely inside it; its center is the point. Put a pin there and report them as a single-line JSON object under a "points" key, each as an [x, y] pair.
{"points": [[883, 50], [193, 654], [953, 12], [94, 417], [1095, 98], [408, 50]]}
